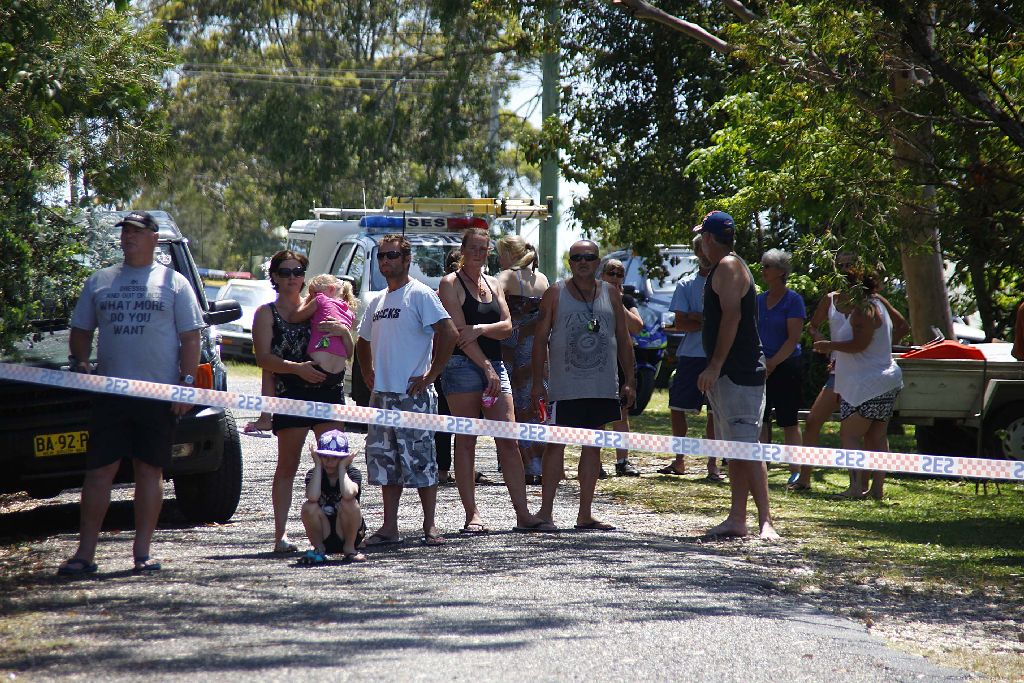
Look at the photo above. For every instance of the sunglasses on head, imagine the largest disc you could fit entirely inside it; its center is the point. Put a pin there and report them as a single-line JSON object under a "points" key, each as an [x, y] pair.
{"points": [[389, 255], [615, 272], [588, 257], [289, 272]]}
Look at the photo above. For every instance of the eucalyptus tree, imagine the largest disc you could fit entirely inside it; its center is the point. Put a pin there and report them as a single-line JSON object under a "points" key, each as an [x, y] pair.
{"points": [[282, 106], [876, 123], [82, 121]]}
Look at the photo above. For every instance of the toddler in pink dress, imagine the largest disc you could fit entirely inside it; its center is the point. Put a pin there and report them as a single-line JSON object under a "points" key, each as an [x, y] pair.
{"points": [[328, 297]]}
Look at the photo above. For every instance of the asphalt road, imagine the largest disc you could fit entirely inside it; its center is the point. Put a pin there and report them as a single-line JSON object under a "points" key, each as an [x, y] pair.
{"points": [[607, 606]]}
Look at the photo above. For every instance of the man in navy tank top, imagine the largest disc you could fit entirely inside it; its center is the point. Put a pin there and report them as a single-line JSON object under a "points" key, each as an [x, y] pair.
{"points": [[734, 380]]}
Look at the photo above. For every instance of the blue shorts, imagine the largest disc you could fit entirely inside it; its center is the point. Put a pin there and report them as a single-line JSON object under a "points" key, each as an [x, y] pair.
{"points": [[462, 376], [684, 394]]}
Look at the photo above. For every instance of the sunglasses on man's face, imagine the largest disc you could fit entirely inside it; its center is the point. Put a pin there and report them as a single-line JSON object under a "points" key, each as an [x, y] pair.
{"points": [[290, 272], [588, 257], [389, 255]]}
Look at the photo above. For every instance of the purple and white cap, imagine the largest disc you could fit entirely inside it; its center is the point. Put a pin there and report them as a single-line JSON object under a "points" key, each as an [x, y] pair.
{"points": [[333, 444]]}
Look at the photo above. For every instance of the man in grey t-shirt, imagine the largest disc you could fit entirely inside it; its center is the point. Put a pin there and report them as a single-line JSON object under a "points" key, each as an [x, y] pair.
{"points": [[149, 329]]}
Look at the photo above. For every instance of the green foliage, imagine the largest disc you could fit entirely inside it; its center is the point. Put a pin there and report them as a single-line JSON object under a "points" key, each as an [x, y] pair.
{"points": [[80, 100], [812, 128], [284, 106], [636, 102]]}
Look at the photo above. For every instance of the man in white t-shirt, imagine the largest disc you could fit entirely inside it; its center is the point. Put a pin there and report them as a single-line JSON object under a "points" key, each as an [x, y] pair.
{"points": [[405, 340]]}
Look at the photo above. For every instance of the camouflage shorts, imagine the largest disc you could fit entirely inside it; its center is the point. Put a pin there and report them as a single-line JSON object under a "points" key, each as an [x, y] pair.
{"points": [[397, 456]]}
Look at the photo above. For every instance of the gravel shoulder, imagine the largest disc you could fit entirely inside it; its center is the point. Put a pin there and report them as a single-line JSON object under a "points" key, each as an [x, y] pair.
{"points": [[646, 602]]}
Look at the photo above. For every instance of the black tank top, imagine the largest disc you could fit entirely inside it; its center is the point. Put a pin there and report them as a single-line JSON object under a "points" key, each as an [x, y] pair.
{"points": [[478, 313], [745, 364]]}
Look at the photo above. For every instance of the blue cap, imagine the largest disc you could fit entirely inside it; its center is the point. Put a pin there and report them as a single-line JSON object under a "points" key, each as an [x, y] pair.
{"points": [[719, 224], [333, 444]]}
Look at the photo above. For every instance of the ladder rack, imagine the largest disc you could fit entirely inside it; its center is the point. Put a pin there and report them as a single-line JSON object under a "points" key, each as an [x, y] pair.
{"points": [[484, 206]]}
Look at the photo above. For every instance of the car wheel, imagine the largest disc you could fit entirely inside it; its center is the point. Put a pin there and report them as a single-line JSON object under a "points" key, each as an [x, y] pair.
{"points": [[213, 496], [1004, 433]]}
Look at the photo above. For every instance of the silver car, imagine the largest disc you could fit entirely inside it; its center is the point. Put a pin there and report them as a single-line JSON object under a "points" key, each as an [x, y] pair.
{"points": [[236, 337]]}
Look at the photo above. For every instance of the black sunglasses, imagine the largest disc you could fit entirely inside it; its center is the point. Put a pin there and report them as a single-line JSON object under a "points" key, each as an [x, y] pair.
{"points": [[615, 272], [588, 257], [289, 272], [390, 255]]}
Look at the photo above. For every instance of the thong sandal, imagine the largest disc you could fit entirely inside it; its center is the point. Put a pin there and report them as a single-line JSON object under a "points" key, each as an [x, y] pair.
{"points": [[671, 470], [144, 564], [354, 557], [284, 547], [379, 539], [76, 566], [474, 528]]}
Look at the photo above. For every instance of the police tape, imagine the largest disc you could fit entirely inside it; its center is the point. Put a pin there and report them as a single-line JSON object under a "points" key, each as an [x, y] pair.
{"points": [[816, 456]]}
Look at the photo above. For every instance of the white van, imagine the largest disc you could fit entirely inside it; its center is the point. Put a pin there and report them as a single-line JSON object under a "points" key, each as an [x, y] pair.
{"points": [[318, 238]]}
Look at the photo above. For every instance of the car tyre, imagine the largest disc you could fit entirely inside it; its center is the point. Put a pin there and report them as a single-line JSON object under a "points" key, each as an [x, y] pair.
{"points": [[213, 496], [1004, 433]]}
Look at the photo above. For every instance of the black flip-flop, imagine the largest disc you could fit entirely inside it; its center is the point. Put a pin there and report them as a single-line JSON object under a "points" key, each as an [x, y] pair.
{"points": [[76, 566], [382, 540], [144, 564], [671, 470]]}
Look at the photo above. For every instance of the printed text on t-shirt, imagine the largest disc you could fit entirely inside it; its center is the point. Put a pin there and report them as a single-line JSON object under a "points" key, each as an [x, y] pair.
{"points": [[392, 313]]}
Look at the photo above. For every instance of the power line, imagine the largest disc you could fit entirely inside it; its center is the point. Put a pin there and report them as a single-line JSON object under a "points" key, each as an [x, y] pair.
{"points": [[418, 74]]}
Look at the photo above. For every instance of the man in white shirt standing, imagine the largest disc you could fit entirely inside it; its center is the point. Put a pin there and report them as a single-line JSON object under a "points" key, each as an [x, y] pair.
{"points": [[405, 340]]}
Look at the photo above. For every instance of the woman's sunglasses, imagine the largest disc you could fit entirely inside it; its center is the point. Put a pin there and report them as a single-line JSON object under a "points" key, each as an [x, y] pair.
{"points": [[289, 272], [615, 272]]}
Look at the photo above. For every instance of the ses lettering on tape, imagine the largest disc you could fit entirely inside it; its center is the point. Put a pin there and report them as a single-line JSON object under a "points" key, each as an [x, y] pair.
{"points": [[934, 465]]}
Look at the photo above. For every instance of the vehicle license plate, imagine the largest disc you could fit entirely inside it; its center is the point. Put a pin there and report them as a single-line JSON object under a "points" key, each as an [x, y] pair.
{"points": [[68, 443]]}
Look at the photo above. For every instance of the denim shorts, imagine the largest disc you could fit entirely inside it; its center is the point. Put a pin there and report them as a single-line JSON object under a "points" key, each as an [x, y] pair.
{"points": [[738, 410], [462, 376]]}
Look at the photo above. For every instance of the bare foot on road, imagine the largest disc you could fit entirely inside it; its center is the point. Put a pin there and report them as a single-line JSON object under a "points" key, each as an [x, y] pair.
{"points": [[768, 533], [727, 529]]}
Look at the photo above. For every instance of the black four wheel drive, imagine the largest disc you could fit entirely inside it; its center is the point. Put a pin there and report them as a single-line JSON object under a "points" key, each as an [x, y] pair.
{"points": [[44, 430]]}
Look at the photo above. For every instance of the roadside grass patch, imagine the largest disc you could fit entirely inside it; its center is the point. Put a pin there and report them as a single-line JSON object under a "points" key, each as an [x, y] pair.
{"points": [[239, 369], [932, 531]]}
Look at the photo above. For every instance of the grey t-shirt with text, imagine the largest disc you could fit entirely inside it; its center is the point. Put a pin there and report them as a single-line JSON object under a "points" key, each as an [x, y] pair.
{"points": [[139, 313]]}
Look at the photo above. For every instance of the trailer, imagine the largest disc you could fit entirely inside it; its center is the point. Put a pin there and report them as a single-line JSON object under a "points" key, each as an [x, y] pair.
{"points": [[965, 407]]}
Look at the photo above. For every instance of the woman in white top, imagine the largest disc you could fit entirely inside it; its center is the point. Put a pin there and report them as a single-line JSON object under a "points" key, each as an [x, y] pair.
{"points": [[834, 308], [867, 378]]}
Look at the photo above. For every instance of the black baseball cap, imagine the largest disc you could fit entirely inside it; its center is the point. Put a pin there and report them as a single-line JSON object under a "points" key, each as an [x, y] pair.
{"points": [[139, 219]]}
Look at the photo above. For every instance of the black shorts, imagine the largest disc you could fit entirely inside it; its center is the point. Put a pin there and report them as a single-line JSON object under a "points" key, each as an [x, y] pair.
{"points": [[332, 390], [588, 413], [127, 427], [333, 543], [782, 392]]}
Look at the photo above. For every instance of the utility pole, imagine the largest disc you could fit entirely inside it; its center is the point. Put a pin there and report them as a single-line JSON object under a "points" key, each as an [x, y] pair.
{"points": [[549, 169]]}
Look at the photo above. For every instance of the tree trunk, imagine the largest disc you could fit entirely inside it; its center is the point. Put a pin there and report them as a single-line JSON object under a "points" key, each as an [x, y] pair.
{"points": [[920, 252]]}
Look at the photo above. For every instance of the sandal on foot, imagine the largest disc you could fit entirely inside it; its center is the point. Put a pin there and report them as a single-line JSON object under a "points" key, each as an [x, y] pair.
{"points": [[311, 558], [474, 528], [671, 470], [354, 557], [379, 539], [538, 528], [144, 564], [284, 547], [76, 566], [715, 477], [595, 525], [433, 539]]}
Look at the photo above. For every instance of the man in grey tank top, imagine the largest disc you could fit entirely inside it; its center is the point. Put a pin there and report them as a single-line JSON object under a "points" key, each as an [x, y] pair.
{"points": [[582, 331], [735, 377]]}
